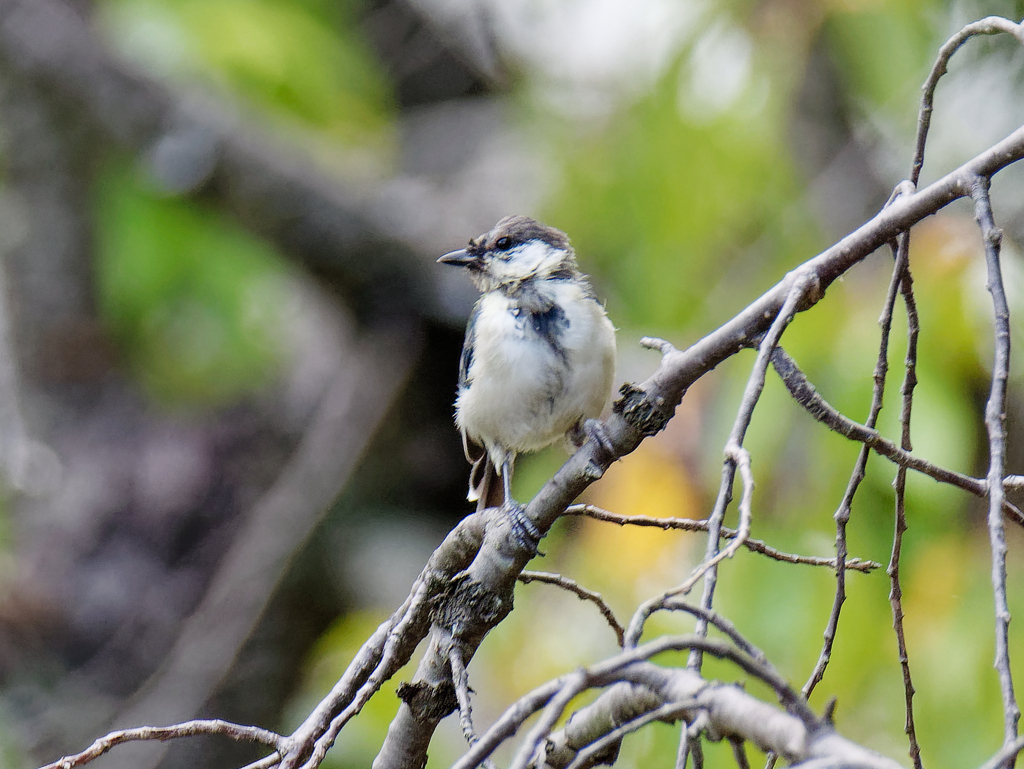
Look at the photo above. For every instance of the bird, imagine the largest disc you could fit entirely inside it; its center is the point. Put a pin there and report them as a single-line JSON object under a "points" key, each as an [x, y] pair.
{"points": [[538, 361]]}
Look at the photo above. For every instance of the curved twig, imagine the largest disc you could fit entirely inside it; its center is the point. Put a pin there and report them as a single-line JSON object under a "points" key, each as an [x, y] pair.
{"points": [[992, 25], [580, 592], [808, 397], [842, 514], [690, 524], [801, 284], [236, 732]]}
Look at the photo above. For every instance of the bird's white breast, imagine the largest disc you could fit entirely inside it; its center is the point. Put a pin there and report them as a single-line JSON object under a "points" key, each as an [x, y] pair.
{"points": [[524, 392]]}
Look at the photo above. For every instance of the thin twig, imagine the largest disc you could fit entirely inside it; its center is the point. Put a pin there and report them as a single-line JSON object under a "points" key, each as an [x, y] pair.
{"points": [[900, 486], [992, 25], [683, 753], [574, 684], [390, 646], [581, 592], [460, 680], [267, 762], [843, 512], [739, 753], [801, 284], [391, 658], [697, 750], [690, 524], [805, 394], [995, 424], [236, 732], [734, 635], [1005, 756], [793, 702]]}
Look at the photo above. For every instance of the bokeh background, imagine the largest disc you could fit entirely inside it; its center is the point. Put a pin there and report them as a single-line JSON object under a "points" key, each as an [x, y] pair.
{"points": [[228, 359]]}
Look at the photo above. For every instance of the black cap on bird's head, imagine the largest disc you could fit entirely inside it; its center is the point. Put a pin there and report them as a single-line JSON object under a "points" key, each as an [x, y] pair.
{"points": [[517, 249]]}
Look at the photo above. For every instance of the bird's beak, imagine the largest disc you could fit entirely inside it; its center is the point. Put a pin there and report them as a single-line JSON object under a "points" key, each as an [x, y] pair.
{"points": [[460, 258]]}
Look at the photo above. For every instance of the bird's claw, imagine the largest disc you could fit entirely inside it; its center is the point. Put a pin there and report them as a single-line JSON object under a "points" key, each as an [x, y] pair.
{"points": [[524, 529]]}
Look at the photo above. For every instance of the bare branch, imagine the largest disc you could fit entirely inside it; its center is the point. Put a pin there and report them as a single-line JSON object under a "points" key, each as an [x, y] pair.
{"points": [[992, 25], [842, 514], [808, 397], [684, 747], [995, 424], [739, 753], [460, 679], [581, 592], [236, 732], [1005, 756], [684, 684], [267, 762], [900, 486], [689, 524], [485, 562], [671, 712], [801, 283], [390, 647]]}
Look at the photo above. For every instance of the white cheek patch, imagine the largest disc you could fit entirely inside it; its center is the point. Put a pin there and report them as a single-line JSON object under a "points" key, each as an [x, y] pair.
{"points": [[533, 258]]}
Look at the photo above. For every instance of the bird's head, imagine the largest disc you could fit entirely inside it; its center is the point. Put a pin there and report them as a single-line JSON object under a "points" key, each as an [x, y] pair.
{"points": [[517, 251]]}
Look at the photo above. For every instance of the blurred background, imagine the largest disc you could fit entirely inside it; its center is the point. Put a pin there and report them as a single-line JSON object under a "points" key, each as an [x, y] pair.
{"points": [[228, 359]]}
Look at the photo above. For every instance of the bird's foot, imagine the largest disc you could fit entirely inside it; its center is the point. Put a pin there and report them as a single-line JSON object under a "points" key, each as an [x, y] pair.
{"points": [[595, 430], [523, 529]]}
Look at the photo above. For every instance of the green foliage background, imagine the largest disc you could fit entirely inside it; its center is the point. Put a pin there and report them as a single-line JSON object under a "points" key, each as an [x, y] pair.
{"points": [[682, 222]]}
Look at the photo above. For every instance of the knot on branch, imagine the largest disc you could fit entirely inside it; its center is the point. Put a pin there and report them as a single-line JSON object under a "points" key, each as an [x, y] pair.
{"points": [[807, 284], [465, 607], [646, 413], [429, 702]]}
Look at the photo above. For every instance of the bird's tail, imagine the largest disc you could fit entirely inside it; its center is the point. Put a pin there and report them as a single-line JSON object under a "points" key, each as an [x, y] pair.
{"points": [[484, 487]]}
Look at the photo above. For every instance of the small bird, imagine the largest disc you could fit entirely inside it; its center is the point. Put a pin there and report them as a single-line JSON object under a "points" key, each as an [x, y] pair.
{"points": [[539, 357]]}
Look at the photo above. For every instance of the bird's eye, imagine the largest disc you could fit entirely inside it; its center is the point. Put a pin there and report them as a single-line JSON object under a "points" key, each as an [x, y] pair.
{"points": [[504, 243]]}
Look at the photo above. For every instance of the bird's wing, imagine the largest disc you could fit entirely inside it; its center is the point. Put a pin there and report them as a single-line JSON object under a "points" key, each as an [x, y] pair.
{"points": [[473, 450], [482, 488], [468, 345]]}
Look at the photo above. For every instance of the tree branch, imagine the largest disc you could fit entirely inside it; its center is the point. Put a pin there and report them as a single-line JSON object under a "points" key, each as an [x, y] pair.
{"points": [[645, 408], [164, 733], [995, 424], [688, 524], [806, 395], [842, 514], [900, 488], [580, 592]]}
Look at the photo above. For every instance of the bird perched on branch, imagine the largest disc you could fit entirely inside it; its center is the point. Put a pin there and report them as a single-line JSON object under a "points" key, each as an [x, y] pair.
{"points": [[539, 357]]}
